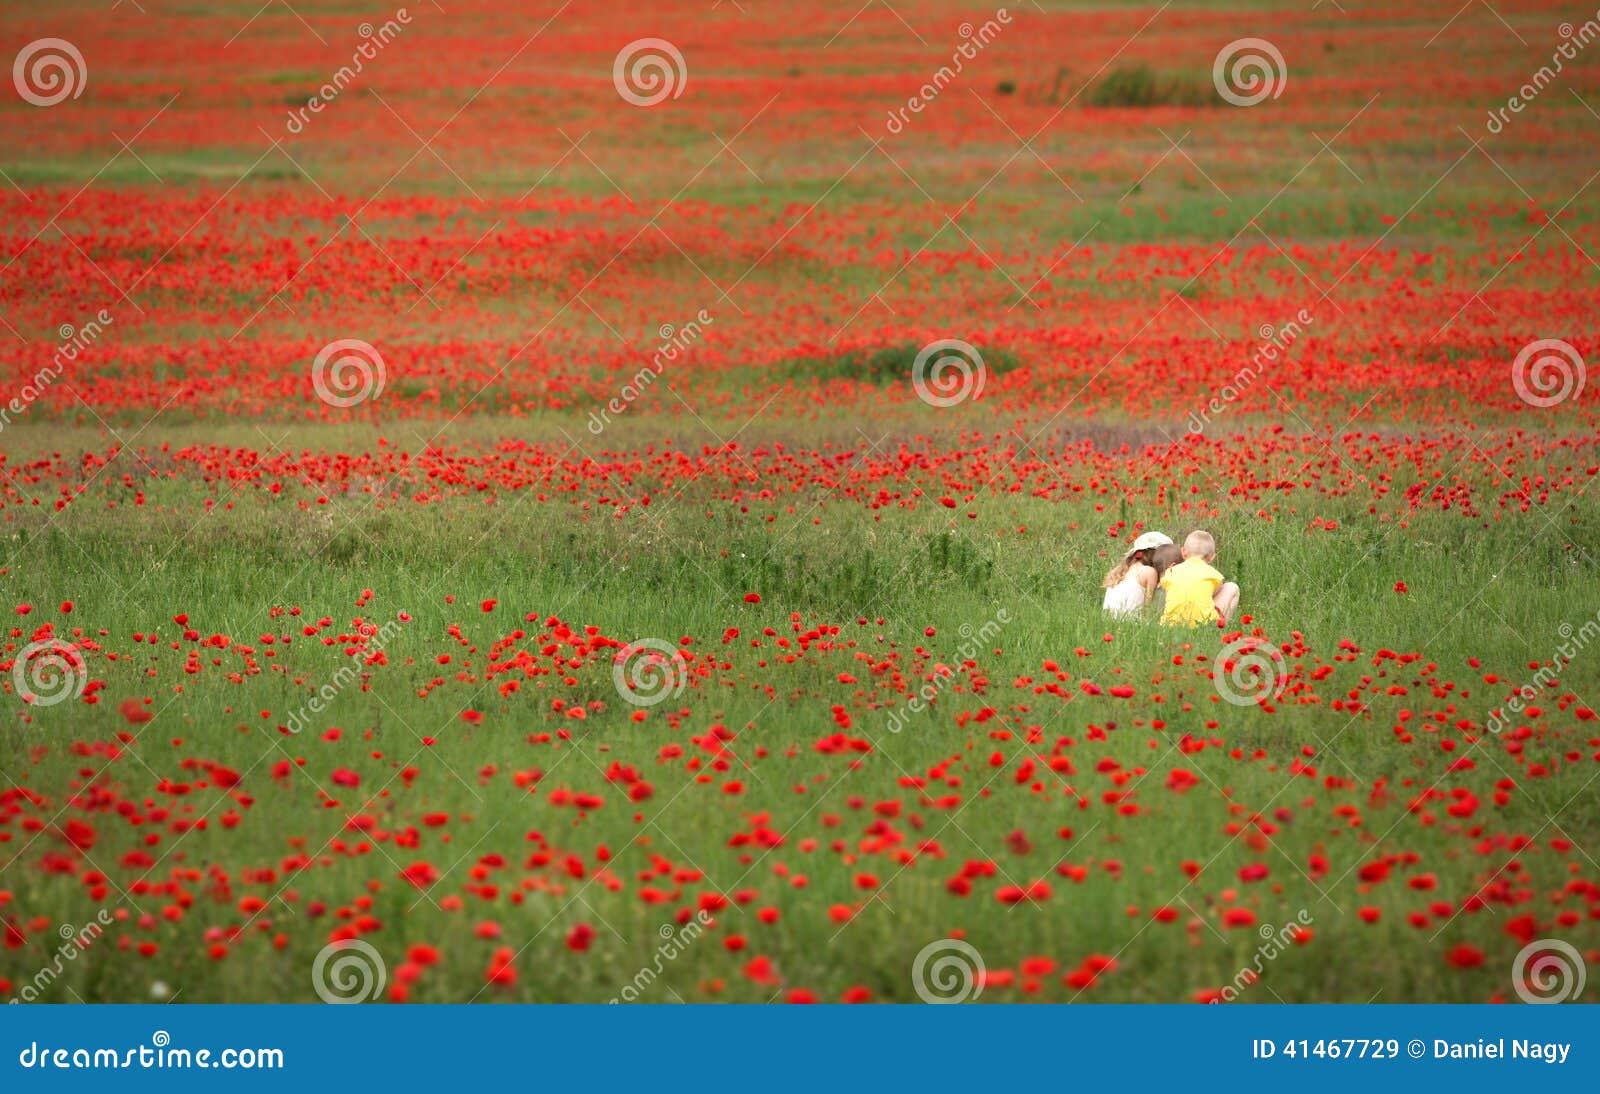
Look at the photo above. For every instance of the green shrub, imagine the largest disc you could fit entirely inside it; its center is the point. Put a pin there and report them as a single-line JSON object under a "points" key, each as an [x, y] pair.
{"points": [[882, 366], [1140, 86]]}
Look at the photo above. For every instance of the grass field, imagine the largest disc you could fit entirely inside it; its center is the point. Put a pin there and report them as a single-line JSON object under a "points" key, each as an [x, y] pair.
{"points": [[489, 663]]}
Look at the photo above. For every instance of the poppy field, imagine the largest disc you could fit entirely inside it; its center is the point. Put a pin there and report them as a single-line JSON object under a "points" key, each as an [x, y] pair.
{"points": [[569, 503]]}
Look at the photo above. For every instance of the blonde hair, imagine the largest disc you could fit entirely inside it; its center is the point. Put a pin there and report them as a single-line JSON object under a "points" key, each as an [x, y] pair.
{"points": [[1199, 544], [1115, 575]]}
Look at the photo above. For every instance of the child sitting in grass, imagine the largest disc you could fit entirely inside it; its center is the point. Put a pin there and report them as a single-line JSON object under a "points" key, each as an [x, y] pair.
{"points": [[1196, 593], [1131, 584]]}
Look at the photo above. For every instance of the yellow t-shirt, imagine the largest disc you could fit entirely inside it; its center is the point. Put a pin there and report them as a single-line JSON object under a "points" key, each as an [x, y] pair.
{"points": [[1190, 586]]}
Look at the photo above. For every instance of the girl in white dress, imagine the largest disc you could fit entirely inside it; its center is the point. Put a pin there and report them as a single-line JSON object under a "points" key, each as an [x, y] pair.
{"points": [[1131, 584]]}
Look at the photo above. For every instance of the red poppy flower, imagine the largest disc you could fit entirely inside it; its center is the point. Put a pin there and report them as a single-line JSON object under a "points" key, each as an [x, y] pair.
{"points": [[422, 875]]}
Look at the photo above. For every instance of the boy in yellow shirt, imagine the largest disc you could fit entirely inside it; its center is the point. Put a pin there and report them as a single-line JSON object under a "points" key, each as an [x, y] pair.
{"points": [[1196, 592]]}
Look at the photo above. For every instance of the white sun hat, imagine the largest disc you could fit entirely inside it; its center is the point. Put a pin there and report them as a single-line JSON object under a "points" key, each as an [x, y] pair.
{"points": [[1149, 540]]}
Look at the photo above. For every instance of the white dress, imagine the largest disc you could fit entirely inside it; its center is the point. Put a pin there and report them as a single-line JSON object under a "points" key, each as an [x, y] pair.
{"points": [[1124, 598]]}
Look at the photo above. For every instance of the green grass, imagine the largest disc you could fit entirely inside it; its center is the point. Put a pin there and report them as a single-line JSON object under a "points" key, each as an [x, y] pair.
{"points": [[674, 571], [1224, 177]]}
